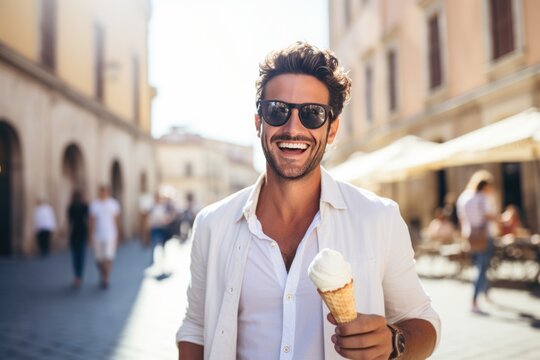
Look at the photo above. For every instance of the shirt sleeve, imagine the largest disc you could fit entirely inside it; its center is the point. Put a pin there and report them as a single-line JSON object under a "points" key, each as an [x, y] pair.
{"points": [[404, 296], [192, 328]]}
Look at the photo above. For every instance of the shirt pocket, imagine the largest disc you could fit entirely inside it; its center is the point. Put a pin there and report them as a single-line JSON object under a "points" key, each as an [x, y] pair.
{"points": [[367, 286]]}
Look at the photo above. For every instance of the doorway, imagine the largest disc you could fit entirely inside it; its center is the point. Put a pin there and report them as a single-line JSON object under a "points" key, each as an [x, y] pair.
{"points": [[10, 190], [511, 183]]}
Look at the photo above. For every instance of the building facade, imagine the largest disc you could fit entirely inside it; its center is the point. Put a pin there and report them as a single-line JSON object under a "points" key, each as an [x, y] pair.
{"points": [[438, 69], [204, 169], [74, 110]]}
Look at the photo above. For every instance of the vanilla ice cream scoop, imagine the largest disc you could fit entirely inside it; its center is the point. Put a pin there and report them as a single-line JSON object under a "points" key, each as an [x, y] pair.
{"points": [[329, 270]]}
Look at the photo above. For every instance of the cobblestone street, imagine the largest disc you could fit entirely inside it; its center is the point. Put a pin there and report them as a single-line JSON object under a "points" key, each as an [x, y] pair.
{"points": [[43, 317]]}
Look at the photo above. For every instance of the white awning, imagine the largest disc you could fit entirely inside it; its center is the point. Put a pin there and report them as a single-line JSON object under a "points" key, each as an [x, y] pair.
{"points": [[516, 138], [365, 169]]}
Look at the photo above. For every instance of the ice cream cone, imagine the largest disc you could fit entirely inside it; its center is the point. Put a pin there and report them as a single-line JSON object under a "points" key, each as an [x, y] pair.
{"points": [[340, 302]]}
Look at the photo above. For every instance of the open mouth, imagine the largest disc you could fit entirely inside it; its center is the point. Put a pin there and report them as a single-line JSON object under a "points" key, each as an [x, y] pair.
{"points": [[292, 147]]}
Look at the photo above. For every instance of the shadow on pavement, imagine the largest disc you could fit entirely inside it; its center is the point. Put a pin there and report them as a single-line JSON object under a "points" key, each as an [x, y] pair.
{"points": [[41, 315]]}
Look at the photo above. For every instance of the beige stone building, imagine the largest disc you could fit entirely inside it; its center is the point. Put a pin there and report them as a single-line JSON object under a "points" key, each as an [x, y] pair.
{"points": [[74, 110], [439, 69], [206, 169]]}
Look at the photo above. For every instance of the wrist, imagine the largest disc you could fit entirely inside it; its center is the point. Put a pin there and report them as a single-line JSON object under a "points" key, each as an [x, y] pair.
{"points": [[398, 342]]}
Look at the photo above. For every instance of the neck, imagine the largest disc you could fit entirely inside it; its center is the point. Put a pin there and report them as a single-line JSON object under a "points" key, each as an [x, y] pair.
{"points": [[291, 199]]}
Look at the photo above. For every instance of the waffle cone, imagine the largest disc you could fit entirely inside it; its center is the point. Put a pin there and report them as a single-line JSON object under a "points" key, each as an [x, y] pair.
{"points": [[340, 302]]}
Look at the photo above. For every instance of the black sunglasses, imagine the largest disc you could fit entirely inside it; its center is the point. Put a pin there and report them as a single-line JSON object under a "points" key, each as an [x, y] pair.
{"points": [[277, 113]]}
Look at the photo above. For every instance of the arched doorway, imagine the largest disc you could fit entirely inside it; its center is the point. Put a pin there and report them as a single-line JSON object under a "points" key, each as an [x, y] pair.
{"points": [[73, 167], [11, 190], [117, 183], [143, 183]]}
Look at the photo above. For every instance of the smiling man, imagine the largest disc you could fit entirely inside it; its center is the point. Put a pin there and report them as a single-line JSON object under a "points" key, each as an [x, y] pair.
{"points": [[250, 296]]}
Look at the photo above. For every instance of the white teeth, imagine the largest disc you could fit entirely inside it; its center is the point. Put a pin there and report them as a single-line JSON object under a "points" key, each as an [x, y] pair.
{"points": [[292, 146]]}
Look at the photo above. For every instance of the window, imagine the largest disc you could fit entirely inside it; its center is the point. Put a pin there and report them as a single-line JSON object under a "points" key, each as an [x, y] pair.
{"points": [[369, 93], [136, 90], [434, 52], [502, 28], [188, 170], [99, 62], [347, 12], [392, 80], [48, 34]]}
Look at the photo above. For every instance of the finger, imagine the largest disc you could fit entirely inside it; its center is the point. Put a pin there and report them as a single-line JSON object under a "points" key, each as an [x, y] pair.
{"points": [[361, 325], [331, 318], [360, 354], [363, 341]]}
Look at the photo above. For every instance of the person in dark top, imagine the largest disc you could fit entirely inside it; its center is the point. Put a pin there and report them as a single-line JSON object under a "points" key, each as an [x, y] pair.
{"points": [[78, 234]]}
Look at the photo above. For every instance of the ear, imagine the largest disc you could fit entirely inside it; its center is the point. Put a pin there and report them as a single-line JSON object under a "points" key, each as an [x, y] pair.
{"points": [[334, 126], [258, 125]]}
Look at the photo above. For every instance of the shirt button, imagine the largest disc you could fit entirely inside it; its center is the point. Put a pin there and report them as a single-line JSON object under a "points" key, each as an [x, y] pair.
{"points": [[286, 349], [231, 290], [289, 296], [273, 244]]}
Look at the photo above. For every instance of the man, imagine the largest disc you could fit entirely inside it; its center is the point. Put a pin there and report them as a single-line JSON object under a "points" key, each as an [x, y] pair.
{"points": [[104, 232], [161, 215], [249, 295], [44, 225]]}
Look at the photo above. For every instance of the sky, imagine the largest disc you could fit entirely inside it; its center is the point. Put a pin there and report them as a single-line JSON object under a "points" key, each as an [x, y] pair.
{"points": [[204, 56]]}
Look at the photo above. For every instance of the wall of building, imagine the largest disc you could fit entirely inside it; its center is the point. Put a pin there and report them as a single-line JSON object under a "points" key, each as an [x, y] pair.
{"points": [[476, 90], [60, 136], [218, 169]]}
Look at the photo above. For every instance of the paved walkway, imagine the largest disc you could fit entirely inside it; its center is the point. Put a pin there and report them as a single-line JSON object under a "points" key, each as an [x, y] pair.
{"points": [[42, 317]]}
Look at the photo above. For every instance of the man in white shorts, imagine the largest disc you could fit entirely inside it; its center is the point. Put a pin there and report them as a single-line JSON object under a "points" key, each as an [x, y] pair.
{"points": [[104, 224]]}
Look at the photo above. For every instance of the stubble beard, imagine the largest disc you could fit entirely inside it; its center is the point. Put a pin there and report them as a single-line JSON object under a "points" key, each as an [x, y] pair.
{"points": [[292, 174]]}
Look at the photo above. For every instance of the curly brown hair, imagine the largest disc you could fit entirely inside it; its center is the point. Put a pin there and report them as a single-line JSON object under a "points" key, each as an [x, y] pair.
{"points": [[304, 58]]}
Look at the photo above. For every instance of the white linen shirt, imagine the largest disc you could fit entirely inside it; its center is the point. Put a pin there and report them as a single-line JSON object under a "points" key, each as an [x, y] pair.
{"points": [[356, 222], [280, 313], [105, 212], [44, 218]]}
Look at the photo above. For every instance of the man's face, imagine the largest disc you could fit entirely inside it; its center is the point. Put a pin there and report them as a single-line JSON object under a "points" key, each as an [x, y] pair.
{"points": [[103, 193], [293, 151]]}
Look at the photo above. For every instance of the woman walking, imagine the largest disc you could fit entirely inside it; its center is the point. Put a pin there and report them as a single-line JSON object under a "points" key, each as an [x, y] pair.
{"points": [[78, 234], [476, 210]]}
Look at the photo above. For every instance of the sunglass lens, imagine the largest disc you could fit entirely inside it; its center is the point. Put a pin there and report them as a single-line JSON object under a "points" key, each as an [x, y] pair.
{"points": [[313, 116], [275, 113]]}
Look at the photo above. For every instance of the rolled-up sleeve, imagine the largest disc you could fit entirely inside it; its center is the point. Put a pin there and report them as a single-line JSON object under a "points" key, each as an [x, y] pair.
{"points": [[192, 328], [405, 298]]}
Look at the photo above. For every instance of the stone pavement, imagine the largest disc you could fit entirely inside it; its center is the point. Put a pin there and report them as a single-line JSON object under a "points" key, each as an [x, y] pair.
{"points": [[42, 317]]}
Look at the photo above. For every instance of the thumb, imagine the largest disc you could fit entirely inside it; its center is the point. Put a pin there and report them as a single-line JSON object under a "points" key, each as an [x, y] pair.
{"points": [[331, 318]]}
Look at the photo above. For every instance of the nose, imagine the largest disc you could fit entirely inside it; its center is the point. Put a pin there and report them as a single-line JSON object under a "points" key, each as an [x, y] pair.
{"points": [[294, 125]]}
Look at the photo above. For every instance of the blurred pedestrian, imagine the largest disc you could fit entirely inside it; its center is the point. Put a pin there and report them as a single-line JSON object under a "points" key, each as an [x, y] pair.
{"points": [[441, 229], [145, 204], [187, 217], [104, 232], [475, 210], [44, 225], [510, 221], [161, 215], [78, 234], [450, 209]]}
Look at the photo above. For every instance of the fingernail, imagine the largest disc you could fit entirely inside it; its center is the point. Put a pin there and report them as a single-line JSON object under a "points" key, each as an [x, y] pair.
{"points": [[333, 338], [338, 349], [338, 331]]}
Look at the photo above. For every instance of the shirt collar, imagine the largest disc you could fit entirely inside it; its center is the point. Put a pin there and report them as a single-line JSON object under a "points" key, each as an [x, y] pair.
{"points": [[330, 194]]}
